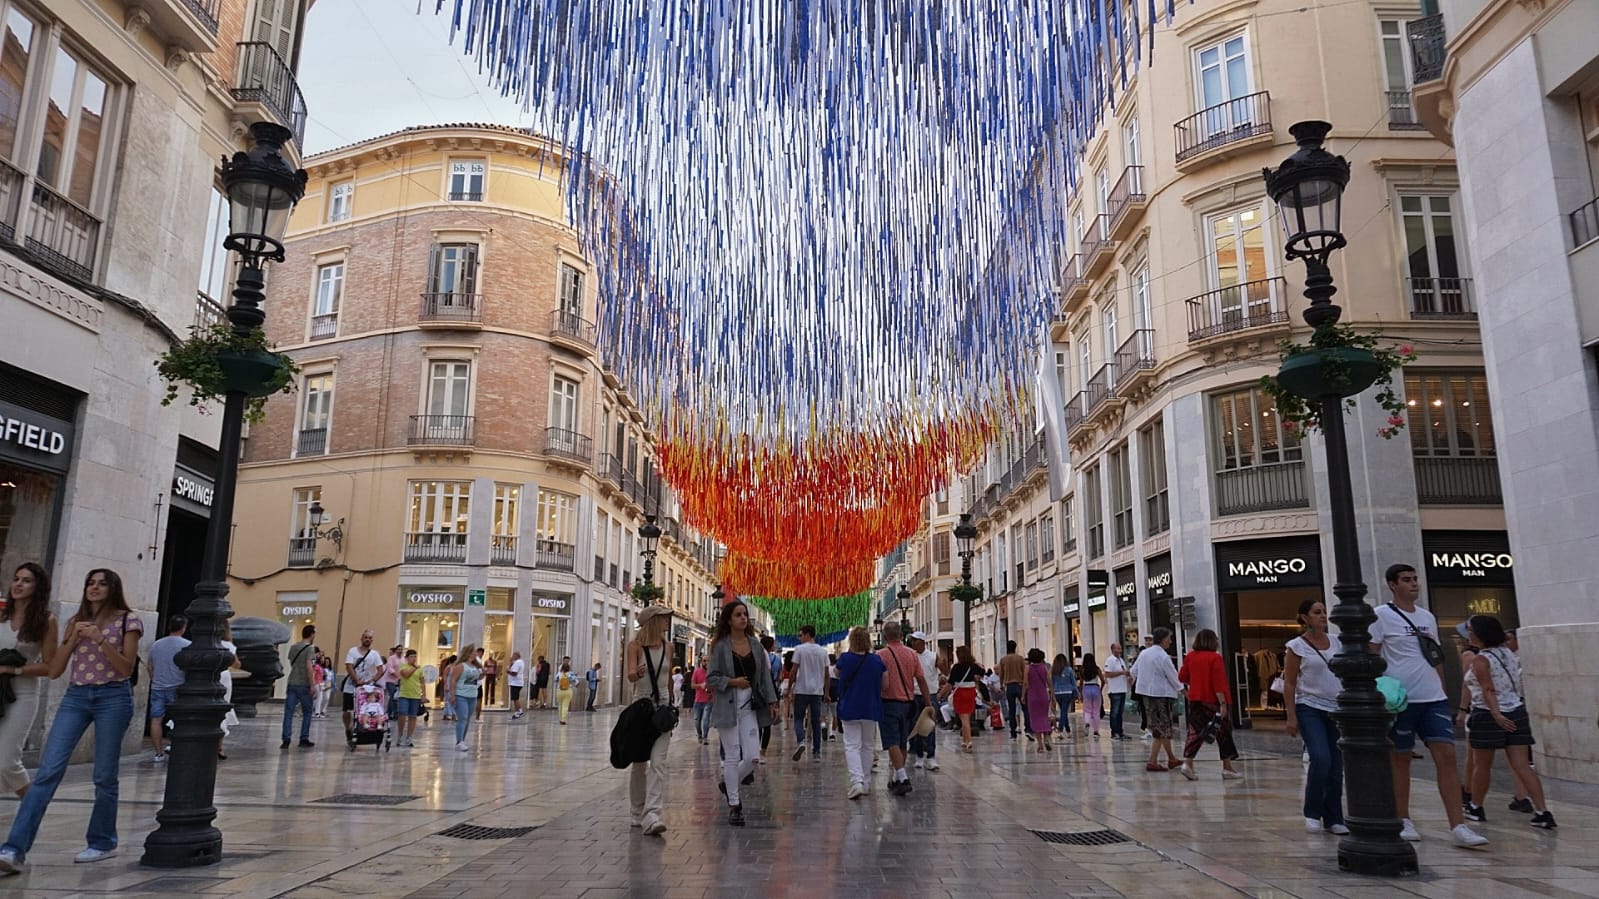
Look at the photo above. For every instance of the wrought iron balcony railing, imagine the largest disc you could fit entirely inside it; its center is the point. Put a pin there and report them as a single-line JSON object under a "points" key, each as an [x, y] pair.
{"points": [[1458, 481], [1262, 488], [568, 445], [443, 430], [1585, 223], [324, 326], [265, 78], [1427, 54], [63, 235], [556, 556], [573, 326], [1441, 298], [311, 442], [450, 306], [1402, 112], [435, 547], [1252, 304], [1225, 123], [302, 552]]}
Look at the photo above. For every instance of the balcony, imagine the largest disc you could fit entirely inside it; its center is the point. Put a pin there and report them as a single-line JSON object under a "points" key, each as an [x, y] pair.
{"points": [[1224, 129], [1402, 112], [324, 326], [1127, 201], [208, 312], [610, 470], [267, 81], [502, 549], [1585, 223], [922, 575], [571, 445], [1097, 248], [1073, 285], [1100, 388], [311, 442], [1458, 481], [1441, 298], [11, 179], [1240, 307], [302, 552], [435, 547], [62, 235], [572, 328], [466, 196], [451, 310], [1427, 54], [442, 430], [189, 25], [554, 556], [1076, 411], [1261, 488], [1135, 362]]}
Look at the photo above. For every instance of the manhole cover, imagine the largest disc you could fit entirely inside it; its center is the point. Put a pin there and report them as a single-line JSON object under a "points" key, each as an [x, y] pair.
{"points": [[366, 799], [1083, 838], [476, 832]]}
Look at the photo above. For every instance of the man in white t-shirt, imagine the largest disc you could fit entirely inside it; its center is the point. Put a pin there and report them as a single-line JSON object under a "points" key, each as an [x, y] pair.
{"points": [[362, 665], [924, 748], [1397, 634], [516, 679], [1116, 685], [810, 691]]}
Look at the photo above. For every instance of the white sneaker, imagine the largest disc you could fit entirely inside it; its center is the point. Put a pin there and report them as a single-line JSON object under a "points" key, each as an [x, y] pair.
{"points": [[932, 765], [1313, 826], [918, 763], [1408, 832], [856, 791], [462, 746], [1338, 830], [95, 855], [11, 864], [159, 757], [653, 825], [1468, 838], [1231, 775]]}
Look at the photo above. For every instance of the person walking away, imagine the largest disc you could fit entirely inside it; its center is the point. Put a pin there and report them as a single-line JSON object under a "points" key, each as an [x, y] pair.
{"points": [[390, 678], [860, 707], [1499, 718], [445, 698], [650, 675], [362, 665], [1116, 690], [28, 646], [1143, 713], [1310, 691], [1012, 673], [165, 678], [1520, 801], [1400, 632], [564, 681], [101, 648], [1036, 692], [1208, 698], [1063, 683], [774, 663], [300, 682], [925, 748], [744, 696], [541, 684], [491, 683], [408, 701], [516, 679], [1155, 681], [810, 691], [465, 677], [702, 702], [482, 664], [324, 684], [230, 719], [902, 680], [592, 676], [1093, 684], [963, 679]]}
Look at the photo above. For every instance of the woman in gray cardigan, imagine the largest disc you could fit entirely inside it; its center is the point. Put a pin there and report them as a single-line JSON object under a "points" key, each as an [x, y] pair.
{"points": [[738, 675]]}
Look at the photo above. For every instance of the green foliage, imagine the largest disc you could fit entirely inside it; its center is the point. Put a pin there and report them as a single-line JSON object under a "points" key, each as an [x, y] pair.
{"points": [[1299, 415], [966, 593], [196, 364], [647, 594]]}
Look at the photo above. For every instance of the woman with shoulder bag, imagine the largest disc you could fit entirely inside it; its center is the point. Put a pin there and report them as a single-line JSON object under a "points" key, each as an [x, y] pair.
{"points": [[650, 672], [1499, 719], [101, 647], [1310, 691], [28, 630], [745, 696], [860, 707]]}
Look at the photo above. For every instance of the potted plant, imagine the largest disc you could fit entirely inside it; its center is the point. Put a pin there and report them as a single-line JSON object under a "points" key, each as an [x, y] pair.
{"points": [[216, 359], [966, 593], [1338, 361], [647, 594]]}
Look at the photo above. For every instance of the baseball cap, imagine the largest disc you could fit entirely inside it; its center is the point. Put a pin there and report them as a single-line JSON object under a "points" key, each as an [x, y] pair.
{"points": [[918, 635]]}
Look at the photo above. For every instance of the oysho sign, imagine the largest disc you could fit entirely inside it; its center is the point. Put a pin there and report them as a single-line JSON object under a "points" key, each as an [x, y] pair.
{"points": [[550, 603], [297, 611], [435, 598]]}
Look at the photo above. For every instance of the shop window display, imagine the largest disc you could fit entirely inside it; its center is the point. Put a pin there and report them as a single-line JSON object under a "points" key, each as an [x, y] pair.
{"points": [[28, 502]]}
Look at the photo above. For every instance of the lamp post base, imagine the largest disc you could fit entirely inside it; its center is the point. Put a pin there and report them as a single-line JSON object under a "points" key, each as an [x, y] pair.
{"points": [[1390, 857], [174, 848]]}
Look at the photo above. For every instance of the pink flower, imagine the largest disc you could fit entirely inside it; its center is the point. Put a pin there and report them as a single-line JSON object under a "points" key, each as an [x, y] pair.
{"points": [[1406, 349], [1290, 425], [1396, 420]]}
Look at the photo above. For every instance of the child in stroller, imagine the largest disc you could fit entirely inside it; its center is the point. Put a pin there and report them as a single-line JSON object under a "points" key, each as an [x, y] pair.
{"points": [[371, 724]]}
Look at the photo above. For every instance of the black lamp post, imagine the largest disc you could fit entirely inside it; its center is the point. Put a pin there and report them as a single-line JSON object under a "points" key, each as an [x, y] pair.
{"points": [[904, 597], [649, 533], [262, 189], [334, 533], [1308, 190], [965, 534], [878, 623]]}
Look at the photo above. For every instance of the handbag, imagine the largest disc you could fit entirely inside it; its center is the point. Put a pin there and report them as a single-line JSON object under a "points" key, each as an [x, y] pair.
{"points": [[1430, 650], [664, 718]]}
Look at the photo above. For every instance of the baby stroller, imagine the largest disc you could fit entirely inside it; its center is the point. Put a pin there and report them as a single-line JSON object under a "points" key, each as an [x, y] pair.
{"points": [[371, 724]]}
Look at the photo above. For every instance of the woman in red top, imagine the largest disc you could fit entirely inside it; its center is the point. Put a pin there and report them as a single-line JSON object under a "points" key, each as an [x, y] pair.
{"points": [[1206, 676]]}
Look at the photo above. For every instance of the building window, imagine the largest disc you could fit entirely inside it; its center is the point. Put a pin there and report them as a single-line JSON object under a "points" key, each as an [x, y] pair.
{"points": [[453, 270], [941, 552], [341, 196], [436, 528], [1063, 372], [1450, 414], [1432, 258], [466, 180], [507, 502], [213, 256], [563, 403], [74, 134], [1032, 545], [449, 388], [1093, 513], [571, 298], [1221, 74], [1121, 497], [329, 294], [1398, 75], [1247, 434], [1130, 150], [316, 414], [1152, 471], [1239, 255], [1143, 314], [302, 533], [1068, 527], [1107, 319], [557, 519], [1046, 537]]}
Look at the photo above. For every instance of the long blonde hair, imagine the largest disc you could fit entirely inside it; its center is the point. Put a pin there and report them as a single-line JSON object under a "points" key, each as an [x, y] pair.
{"points": [[468, 653]]}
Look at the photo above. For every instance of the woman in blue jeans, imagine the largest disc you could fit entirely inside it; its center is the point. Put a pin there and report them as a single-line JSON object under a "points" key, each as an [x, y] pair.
{"points": [[1311, 689], [1064, 682], [101, 648], [462, 690]]}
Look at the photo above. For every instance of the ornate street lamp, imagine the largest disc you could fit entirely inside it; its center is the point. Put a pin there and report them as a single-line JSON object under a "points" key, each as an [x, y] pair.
{"points": [[904, 597], [1308, 190], [334, 533], [878, 624], [649, 533], [262, 189], [965, 593]]}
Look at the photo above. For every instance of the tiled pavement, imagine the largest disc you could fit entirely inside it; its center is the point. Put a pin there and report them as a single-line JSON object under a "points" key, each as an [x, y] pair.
{"points": [[964, 831]]}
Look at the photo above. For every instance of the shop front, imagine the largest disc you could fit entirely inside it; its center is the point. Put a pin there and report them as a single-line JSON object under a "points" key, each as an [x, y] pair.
{"points": [[1098, 617], [36, 437], [1158, 589], [430, 622], [499, 634], [188, 518], [682, 636], [551, 623], [1468, 573], [296, 609], [1261, 584], [1071, 605], [1126, 593]]}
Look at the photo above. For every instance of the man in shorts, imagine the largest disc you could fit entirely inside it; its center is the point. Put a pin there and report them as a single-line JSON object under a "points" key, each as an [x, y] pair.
{"points": [[516, 679], [165, 679], [901, 680], [1397, 634], [362, 665]]}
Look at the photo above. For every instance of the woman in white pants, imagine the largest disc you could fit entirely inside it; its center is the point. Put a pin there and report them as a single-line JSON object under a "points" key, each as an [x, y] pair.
{"points": [[860, 706], [649, 671], [743, 697]]}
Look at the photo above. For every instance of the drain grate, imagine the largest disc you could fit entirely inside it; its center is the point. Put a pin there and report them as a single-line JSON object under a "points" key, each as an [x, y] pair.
{"points": [[1083, 838], [477, 832], [171, 884], [366, 799]]}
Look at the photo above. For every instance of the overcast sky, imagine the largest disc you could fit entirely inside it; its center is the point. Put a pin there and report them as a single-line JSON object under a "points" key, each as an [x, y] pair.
{"points": [[356, 86]]}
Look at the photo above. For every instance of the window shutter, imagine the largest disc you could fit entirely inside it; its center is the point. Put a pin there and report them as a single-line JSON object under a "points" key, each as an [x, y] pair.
{"points": [[434, 258], [469, 269]]}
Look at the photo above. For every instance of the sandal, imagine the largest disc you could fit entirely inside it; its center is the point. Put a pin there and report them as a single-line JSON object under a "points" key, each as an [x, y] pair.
{"points": [[966, 747], [1155, 766]]}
